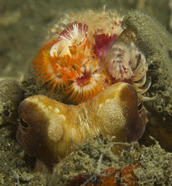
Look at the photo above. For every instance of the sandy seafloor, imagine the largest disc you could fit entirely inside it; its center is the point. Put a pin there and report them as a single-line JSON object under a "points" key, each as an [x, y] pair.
{"points": [[23, 27]]}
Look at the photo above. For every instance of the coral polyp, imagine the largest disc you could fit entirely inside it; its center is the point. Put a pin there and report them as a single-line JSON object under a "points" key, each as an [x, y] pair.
{"points": [[91, 52]]}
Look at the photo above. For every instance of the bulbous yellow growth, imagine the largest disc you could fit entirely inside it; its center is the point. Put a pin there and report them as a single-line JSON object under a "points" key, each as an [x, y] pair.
{"points": [[49, 129]]}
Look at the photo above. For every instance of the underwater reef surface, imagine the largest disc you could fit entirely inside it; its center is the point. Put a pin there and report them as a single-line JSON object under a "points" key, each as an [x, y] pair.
{"points": [[17, 167], [157, 45]]}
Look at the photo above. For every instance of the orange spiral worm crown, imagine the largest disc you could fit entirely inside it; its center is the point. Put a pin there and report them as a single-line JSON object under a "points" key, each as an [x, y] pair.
{"points": [[69, 63]]}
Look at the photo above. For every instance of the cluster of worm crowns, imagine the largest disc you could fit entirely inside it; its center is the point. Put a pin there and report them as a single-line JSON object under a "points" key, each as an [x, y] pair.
{"points": [[91, 52]]}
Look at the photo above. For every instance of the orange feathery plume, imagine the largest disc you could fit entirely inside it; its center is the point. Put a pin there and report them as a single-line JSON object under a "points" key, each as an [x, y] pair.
{"points": [[69, 63]]}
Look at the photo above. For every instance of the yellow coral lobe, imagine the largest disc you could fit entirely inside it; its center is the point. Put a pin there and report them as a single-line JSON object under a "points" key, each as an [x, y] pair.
{"points": [[54, 128]]}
